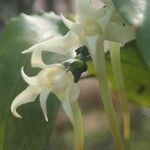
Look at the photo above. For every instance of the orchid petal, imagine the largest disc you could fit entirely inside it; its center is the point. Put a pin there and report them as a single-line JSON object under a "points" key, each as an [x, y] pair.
{"points": [[43, 99], [121, 34], [73, 26], [92, 45], [82, 5], [103, 21], [61, 83], [73, 92], [63, 45], [30, 80], [85, 11], [60, 44], [36, 60], [40, 79], [68, 110], [106, 46], [27, 96]]}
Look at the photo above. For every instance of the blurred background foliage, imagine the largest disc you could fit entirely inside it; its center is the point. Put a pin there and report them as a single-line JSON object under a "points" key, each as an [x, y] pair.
{"points": [[32, 132]]}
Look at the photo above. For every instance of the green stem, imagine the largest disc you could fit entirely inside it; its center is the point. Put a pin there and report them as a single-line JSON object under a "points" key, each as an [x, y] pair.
{"points": [[117, 71], [98, 56], [78, 126]]}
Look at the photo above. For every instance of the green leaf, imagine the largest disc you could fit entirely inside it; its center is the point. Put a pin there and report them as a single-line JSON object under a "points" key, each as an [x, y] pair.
{"points": [[143, 37], [136, 75], [137, 13], [32, 132]]}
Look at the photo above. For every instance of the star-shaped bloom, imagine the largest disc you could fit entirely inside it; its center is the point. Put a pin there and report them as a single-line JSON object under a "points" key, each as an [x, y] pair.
{"points": [[53, 79], [90, 27], [99, 25]]}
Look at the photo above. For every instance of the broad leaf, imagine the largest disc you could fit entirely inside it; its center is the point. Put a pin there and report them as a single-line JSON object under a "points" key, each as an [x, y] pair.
{"points": [[137, 13], [32, 132]]}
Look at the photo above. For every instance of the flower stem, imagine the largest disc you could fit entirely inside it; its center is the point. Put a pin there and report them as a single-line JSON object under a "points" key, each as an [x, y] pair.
{"points": [[78, 126], [117, 71], [100, 66]]}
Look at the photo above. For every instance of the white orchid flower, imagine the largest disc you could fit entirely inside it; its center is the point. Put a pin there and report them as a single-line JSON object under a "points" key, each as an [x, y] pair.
{"points": [[99, 25], [90, 26], [54, 79], [64, 45]]}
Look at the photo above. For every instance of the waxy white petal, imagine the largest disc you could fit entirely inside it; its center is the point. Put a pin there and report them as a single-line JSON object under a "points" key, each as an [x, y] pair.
{"points": [[36, 60], [119, 33], [106, 46], [85, 12], [73, 92], [68, 110], [61, 83], [92, 45], [70, 24], [60, 44], [73, 26], [43, 99], [107, 14], [40, 80], [65, 45], [27, 96], [30, 80], [82, 5]]}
